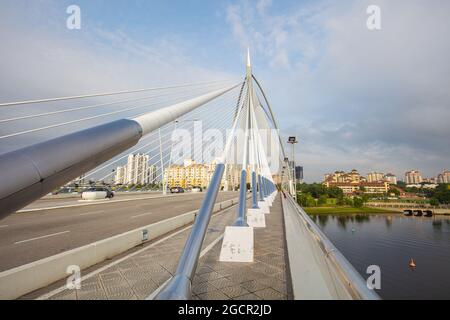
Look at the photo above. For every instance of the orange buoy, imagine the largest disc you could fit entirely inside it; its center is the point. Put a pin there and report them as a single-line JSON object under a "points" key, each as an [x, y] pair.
{"points": [[412, 264]]}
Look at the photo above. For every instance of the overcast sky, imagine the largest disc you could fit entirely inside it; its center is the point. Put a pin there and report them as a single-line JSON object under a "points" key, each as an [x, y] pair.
{"points": [[355, 98]]}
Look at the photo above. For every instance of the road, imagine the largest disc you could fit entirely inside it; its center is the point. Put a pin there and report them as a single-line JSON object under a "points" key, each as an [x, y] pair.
{"points": [[64, 224]]}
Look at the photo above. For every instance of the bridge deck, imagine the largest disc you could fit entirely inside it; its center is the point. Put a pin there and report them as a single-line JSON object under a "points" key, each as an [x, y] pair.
{"points": [[265, 278], [139, 274]]}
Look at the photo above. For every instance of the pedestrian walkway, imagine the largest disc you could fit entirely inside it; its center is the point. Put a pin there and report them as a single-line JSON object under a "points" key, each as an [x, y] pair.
{"points": [[138, 275]]}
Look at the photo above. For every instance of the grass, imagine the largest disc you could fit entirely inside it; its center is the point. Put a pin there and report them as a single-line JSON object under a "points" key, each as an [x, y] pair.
{"points": [[345, 210]]}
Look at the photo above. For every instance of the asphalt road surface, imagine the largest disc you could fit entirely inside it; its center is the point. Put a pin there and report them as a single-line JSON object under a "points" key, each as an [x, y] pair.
{"points": [[64, 224]]}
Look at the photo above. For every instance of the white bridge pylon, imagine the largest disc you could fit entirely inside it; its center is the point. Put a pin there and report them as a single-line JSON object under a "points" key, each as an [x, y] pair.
{"points": [[238, 241]]}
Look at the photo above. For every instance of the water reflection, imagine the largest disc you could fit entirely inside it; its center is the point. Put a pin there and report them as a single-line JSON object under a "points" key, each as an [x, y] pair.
{"points": [[391, 241], [342, 221], [388, 222], [437, 225], [323, 219], [361, 218]]}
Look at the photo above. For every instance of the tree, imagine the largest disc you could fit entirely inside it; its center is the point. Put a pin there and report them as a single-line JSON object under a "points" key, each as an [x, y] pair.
{"points": [[434, 202], [335, 192], [340, 201], [394, 191], [323, 199], [442, 193], [401, 185], [358, 202], [306, 200], [348, 201]]}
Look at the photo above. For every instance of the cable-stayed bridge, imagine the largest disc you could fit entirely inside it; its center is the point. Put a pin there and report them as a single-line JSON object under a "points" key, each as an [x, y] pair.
{"points": [[244, 237]]}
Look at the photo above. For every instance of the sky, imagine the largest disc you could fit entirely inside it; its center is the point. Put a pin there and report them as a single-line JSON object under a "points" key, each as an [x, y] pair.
{"points": [[372, 100]]}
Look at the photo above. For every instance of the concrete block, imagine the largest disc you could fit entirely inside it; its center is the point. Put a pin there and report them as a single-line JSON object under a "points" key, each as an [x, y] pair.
{"points": [[264, 207], [255, 218], [237, 245]]}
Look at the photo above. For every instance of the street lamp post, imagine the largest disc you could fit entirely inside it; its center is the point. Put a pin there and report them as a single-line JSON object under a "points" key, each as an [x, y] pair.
{"points": [[164, 179], [293, 141]]}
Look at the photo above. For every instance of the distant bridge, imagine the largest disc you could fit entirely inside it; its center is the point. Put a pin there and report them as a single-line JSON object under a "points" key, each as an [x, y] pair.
{"points": [[400, 206]]}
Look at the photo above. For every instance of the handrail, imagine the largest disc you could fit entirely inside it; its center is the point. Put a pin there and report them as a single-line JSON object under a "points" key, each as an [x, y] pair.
{"points": [[354, 282], [36, 170], [179, 287]]}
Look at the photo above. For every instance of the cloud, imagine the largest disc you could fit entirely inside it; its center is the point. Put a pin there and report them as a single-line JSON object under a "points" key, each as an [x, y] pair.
{"points": [[374, 99], [40, 58]]}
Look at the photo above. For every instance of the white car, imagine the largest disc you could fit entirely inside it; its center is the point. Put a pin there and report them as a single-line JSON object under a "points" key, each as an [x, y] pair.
{"points": [[96, 193]]}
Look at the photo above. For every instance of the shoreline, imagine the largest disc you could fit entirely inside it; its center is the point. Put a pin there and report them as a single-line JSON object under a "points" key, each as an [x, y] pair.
{"points": [[351, 210]]}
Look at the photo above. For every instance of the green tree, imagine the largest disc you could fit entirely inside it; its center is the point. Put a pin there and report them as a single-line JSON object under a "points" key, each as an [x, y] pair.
{"points": [[434, 202], [340, 201], [394, 191], [348, 201], [358, 202], [442, 193], [323, 199], [335, 192], [401, 185], [306, 200]]}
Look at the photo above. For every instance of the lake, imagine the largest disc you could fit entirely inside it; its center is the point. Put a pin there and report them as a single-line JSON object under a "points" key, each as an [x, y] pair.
{"points": [[390, 241]]}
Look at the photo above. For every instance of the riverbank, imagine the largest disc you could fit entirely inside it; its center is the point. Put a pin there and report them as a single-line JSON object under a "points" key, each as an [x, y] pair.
{"points": [[345, 210]]}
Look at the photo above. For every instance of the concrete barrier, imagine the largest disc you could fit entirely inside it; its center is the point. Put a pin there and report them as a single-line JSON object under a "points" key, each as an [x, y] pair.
{"points": [[19, 281], [318, 270]]}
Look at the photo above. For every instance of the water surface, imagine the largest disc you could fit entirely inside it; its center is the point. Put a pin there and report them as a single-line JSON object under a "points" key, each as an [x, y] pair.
{"points": [[390, 241]]}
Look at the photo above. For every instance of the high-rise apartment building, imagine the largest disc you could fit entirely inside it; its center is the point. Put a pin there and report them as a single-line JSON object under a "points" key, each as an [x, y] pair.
{"points": [[136, 171], [391, 178], [413, 177], [444, 177], [191, 174], [375, 177]]}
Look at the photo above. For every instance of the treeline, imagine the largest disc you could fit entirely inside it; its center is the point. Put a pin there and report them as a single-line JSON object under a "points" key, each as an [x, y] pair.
{"points": [[316, 194], [440, 195]]}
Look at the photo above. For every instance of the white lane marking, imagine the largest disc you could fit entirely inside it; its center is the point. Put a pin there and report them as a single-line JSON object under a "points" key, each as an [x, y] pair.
{"points": [[94, 273], [4, 226], [141, 215], [97, 203], [106, 267], [94, 212], [46, 236]]}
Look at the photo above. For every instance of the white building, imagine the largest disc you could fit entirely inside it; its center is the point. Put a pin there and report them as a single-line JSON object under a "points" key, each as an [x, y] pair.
{"points": [[391, 178], [120, 176], [444, 177], [413, 177], [152, 170], [136, 171], [375, 177]]}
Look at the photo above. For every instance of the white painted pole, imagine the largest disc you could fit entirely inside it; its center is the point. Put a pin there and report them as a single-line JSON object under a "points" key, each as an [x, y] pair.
{"points": [[162, 162]]}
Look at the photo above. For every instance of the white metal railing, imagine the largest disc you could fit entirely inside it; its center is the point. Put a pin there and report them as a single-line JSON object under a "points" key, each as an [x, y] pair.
{"points": [[334, 277]]}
